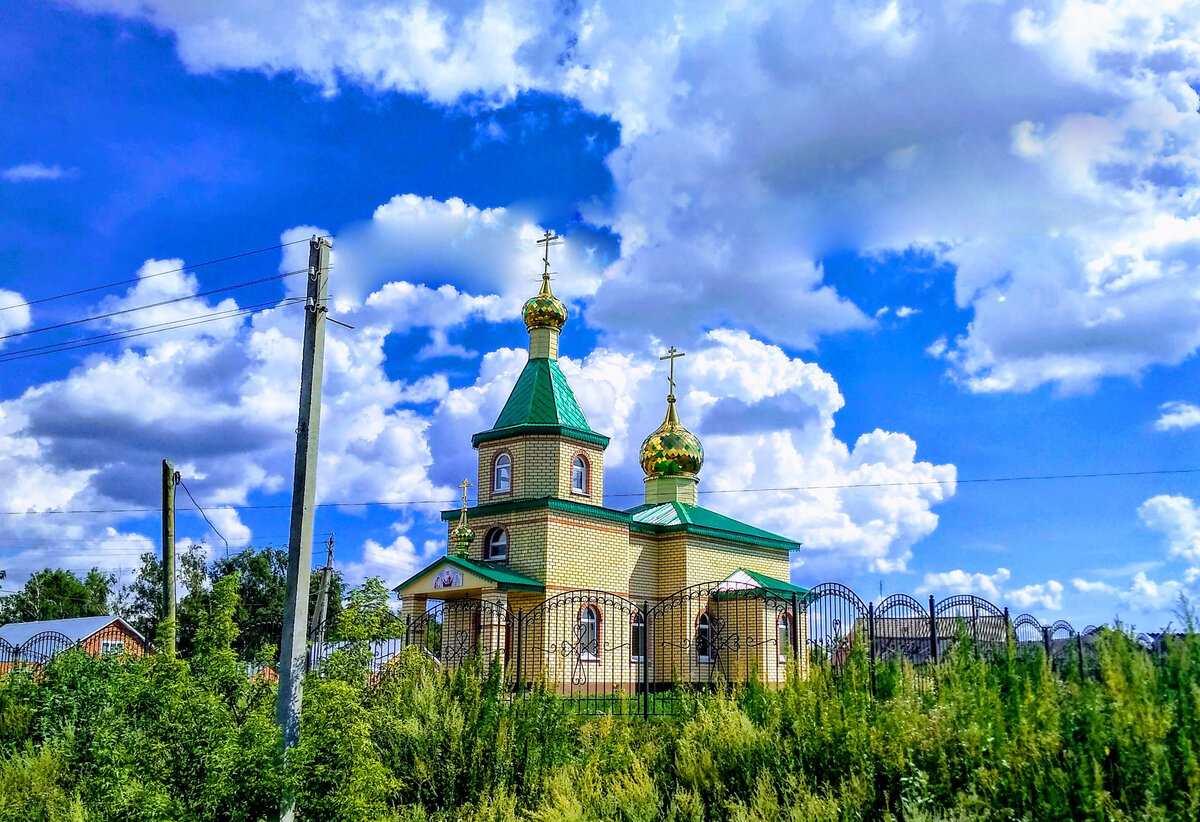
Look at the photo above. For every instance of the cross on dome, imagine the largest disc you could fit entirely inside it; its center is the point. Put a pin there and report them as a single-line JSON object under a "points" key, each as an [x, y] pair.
{"points": [[672, 355]]}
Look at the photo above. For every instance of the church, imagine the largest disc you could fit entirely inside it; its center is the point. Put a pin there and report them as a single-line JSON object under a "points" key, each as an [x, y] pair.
{"points": [[662, 592]]}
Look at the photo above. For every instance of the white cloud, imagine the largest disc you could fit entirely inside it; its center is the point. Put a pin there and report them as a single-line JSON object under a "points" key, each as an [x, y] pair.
{"points": [[962, 582], [906, 311], [1048, 153], [1177, 415], [14, 314], [1046, 595], [1088, 587], [30, 172], [1178, 519]]}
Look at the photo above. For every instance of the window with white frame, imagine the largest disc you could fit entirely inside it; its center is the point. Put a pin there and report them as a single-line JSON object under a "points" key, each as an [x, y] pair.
{"points": [[704, 638], [589, 633], [502, 474], [637, 645], [112, 647], [495, 547], [579, 475], [784, 636]]}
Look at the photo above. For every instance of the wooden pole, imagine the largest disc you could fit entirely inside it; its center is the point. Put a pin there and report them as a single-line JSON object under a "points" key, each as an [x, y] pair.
{"points": [[169, 479], [293, 644]]}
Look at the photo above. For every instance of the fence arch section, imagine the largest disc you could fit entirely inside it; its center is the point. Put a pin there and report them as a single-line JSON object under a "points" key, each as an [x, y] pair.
{"points": [[836, 618], [586, 644], [902, 630]]}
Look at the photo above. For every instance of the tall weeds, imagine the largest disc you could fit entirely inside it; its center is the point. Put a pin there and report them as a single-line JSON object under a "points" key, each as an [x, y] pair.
{"points": [[1005, 738]]}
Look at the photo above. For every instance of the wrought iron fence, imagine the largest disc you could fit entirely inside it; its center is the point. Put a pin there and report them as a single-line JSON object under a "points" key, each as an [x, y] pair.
{"points": [[607, 653], [40, 648]]}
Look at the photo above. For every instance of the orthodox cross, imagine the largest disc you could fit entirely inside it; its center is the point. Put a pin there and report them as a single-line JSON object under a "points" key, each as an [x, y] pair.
{"points": [[464, 485], [548, 239], [672, 355]]}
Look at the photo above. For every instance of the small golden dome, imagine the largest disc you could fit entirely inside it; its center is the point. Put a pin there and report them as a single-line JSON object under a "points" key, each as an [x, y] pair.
{"points": [[672, 450], [545, 310], [461, 539]]}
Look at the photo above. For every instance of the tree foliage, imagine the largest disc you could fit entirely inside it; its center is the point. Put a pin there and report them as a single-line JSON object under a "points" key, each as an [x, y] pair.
{"points": [[59, 594]]}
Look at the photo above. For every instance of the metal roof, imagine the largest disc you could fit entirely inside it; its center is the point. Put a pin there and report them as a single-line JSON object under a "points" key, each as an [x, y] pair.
{"points": [[504, 577], [684, 517], [76, 630], [541, 402]]}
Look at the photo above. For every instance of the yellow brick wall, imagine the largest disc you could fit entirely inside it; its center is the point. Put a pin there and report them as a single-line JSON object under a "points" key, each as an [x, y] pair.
{"points": [[541, 467]]}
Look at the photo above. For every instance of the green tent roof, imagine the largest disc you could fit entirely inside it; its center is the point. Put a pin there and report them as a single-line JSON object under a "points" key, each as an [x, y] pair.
{"points": [[541, 403], [684, 517], [505, 578]]}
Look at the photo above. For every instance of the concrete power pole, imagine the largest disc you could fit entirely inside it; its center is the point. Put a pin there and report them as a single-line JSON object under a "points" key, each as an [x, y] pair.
{"points": [[169, 479], [293, 645], [320, 614]]}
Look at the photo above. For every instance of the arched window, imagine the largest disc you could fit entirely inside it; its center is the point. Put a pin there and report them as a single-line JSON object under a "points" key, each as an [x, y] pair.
{"points": [[589, 633], [502, 474], [704, 638], [637, 648], [496, 544], [579, 475], [784, 636]]}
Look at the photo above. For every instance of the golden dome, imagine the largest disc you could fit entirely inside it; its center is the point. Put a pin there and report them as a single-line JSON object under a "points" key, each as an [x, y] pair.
{"points": [[461, 539], [545, 310], [672, 450]]}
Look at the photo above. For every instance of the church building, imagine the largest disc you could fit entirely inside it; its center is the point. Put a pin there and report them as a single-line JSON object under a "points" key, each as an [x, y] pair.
{"points": [[584, 577]]}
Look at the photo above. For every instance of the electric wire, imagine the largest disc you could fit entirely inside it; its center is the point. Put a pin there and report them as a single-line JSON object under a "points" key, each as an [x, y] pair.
{"points": [[131, 333], [454, 502], [159, 304], [187, 491], [95, 288]]}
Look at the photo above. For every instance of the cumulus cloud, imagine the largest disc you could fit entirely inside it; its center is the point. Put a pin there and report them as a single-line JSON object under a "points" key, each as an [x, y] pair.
{"points": [[30, 172], [14, 314], [962, 582], [1177, 415], [1178, 519], [1046, 151], [1046, 595]]}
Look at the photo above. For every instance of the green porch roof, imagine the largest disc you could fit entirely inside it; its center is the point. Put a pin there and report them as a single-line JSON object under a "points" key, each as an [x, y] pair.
{"points": [[770, 585], [504, 577], [669, 516], [541, 403]]}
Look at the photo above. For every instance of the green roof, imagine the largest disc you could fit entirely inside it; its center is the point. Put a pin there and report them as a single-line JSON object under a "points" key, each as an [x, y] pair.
{"points": [[669, 516], [541, 403], [504, 577], [770, 585]]}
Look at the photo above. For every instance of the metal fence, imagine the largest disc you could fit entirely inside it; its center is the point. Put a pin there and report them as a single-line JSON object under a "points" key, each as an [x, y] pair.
{"points": [[40, 648], [609, 653]]}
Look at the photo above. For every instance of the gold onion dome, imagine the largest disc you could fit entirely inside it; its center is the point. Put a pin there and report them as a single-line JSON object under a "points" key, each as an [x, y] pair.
{"points": [[672, 450], [544, 310], [461, 539]]}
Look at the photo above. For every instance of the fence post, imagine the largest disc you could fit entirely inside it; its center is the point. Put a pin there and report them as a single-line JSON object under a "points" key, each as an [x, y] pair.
{"points": [[933, 638], [871, 641], [407, 630], [520, 627], [645, 659], [795, 637], [1079, 648], [1046, 645], [1008, 633], [975, 626]]}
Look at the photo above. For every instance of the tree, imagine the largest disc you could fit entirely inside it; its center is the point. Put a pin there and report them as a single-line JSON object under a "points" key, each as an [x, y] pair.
{"points": [[59, 594]]}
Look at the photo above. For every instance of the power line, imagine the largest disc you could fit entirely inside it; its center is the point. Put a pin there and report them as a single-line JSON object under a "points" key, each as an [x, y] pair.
{"points": [[206, 519], [159, 304], [452, 503], [156, 274], [142, 331]]}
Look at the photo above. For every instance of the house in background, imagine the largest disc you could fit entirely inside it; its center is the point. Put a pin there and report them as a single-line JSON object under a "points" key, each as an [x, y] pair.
{"points": [[36, 642]]}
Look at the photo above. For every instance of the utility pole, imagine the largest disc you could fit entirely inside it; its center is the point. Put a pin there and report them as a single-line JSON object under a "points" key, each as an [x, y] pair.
{"points": [[293, 645], [169, 480], [321, 607]]}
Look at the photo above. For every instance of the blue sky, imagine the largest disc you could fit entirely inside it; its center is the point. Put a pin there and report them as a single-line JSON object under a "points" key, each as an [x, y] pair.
{"points": [[939, 243]]}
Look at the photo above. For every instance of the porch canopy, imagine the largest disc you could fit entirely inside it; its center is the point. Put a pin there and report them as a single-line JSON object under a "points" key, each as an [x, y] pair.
{"points": [[452, 576]]}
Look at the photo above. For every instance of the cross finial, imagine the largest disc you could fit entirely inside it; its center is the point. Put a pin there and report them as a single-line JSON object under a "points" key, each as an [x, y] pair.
{"points": [[672, 355], [462, 518], [548, 239]]}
